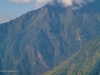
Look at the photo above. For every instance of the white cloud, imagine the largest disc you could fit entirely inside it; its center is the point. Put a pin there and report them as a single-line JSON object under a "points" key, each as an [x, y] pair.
{"points": [[66, 3], [3, 20], [71, 2], [21, 1]]}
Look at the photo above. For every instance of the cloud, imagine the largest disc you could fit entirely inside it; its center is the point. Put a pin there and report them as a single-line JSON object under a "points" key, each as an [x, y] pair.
{"points": [[66, 3], [3, 20], [72, 2], [21, 1]]}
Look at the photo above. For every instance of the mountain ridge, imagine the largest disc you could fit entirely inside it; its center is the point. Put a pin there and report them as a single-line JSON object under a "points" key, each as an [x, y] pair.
{"points": [[83, 62], [41, 39]]}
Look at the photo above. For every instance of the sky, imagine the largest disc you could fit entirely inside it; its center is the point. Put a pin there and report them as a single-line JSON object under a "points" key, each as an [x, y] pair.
{"points": [[11, 9]]}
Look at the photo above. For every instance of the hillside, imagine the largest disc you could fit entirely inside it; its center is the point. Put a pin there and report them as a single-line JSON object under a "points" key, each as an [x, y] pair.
{"points": [[40, 39], [84, 62]]}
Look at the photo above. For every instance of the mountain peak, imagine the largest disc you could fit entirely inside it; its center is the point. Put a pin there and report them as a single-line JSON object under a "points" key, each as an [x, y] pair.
{"points": [[41, 39], [75, 4]]}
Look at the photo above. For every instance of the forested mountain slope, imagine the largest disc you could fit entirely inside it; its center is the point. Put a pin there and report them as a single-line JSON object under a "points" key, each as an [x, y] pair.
{"points": [[84, 62], [39, 40]]}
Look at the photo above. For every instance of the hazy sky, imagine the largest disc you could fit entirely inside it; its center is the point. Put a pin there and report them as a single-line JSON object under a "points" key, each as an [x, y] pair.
{"points": [[10, 9]]}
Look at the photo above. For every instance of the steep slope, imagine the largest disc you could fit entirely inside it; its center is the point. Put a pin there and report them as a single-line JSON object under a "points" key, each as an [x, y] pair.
{"points": [[84, 62], [38, 40]]}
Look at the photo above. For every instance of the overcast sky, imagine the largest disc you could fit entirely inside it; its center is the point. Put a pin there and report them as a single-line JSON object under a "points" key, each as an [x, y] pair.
{"points": [[10, 9]]}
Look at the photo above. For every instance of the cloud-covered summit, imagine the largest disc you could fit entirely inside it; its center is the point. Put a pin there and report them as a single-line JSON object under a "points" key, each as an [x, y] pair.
{"points": [[66, 3], [71, 2]]}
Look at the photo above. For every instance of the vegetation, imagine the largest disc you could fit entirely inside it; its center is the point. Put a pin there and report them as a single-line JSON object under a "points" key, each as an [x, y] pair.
{"points": [[39, 40], [84, 62]]}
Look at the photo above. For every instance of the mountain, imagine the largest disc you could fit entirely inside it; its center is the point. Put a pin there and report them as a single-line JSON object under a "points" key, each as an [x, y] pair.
{"points": [[84, 62], [39, 40]]}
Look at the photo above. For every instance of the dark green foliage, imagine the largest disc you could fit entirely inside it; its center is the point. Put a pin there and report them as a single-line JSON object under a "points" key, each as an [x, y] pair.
{"points": [[84, 62], [39, 40]]}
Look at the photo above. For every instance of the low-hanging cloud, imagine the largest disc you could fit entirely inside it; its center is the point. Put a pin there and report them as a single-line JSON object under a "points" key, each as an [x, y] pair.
{"points": [[72, 2], [66, 3]]}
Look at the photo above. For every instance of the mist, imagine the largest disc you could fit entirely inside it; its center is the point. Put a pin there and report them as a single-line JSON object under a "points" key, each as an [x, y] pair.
{"points": [[66, 3]]}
